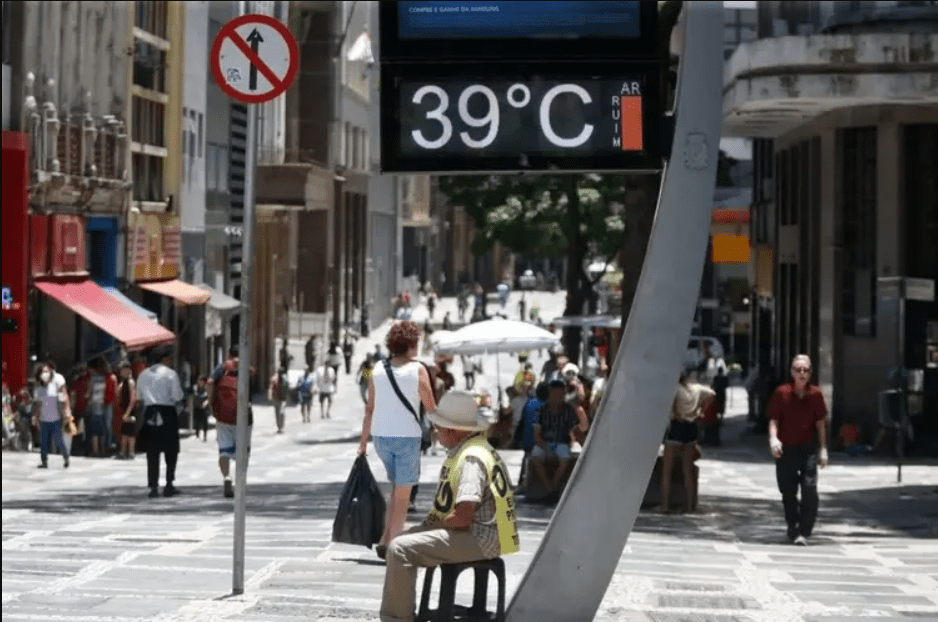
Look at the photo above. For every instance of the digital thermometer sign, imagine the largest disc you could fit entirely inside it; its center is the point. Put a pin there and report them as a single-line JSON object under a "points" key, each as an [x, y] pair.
{"points": [[505, 20], [499, 123]]}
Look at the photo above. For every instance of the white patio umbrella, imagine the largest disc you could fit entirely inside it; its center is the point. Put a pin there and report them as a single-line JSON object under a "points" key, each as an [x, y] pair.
{"points": [[496, 336]]}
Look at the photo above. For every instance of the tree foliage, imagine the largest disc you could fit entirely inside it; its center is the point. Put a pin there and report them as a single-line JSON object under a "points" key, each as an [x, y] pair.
{"points": [[537, 215]]}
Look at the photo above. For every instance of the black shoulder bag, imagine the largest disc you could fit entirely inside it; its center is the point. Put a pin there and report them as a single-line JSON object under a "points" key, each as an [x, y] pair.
{"points": [[421, 421]]}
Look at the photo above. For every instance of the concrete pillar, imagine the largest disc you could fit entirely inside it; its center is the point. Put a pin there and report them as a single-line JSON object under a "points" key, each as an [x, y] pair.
{"points": [[888, 254], [828, 272]]}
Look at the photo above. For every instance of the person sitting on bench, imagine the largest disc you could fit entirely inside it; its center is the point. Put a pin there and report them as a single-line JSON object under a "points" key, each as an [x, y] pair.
{"points": [[473, 514], [556, 420]]}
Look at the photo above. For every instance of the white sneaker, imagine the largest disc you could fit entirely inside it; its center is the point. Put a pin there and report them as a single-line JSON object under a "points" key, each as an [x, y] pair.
{"points": [[801, 541]]}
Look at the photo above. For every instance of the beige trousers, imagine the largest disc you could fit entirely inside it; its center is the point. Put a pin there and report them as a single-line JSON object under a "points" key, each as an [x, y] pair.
{"points": [[420, 546]]}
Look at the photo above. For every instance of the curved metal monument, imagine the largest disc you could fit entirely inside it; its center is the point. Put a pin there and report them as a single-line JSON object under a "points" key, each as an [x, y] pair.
{"points": [[584, 541]]}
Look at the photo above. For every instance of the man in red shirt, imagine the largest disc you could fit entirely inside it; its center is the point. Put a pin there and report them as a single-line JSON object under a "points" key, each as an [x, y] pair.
{"points": [[798, 440]]}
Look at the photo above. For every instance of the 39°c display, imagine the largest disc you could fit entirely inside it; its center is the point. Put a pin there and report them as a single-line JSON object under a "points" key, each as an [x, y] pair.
{"points": [[507, 117]]}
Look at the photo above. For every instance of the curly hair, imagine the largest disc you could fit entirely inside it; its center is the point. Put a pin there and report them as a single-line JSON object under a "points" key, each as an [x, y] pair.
{"points": [[402, 337]]}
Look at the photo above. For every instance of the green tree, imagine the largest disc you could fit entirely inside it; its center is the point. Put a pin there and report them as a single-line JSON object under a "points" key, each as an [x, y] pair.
{"points": [[571, 215]]}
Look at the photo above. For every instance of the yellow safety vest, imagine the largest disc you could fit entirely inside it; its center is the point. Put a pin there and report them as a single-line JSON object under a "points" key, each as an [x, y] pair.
{"points": [[505, 519]]}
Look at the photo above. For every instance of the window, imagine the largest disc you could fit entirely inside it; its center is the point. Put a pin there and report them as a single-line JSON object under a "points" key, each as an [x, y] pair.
{"points": [[147, 122], [858, 208], [223, 168], [211, 174], [151, 16], [347, 146], [356, 151], [149, 67], [148, 177], [366, 152], [191, 124], [185, 130]]}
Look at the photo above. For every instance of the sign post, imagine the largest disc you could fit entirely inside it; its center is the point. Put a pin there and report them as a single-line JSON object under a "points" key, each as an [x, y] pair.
{"points": [[254, 60]]}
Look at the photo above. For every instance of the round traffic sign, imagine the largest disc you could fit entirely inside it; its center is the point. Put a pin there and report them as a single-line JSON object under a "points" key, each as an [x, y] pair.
{"points": [[254, 58]]}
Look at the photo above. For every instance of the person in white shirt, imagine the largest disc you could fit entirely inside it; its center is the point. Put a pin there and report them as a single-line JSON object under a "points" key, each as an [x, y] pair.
{"points": [[397, 389], [324, 384], [50, 411], [160, 392]]}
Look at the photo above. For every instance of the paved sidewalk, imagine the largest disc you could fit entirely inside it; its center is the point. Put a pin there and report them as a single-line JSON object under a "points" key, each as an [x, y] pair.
{"points": [[86, 545]]}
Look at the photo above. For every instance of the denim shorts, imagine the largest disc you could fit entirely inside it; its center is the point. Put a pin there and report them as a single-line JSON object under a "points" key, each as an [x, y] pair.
{"points": [[401, 458], [561, 450]]}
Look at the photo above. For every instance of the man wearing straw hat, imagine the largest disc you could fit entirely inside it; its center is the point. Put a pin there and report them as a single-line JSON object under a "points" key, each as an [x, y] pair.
{"points": [[473, 514]]}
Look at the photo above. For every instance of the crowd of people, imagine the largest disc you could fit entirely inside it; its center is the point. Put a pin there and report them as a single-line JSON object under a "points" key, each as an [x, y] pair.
{"points": [[136, 405]]}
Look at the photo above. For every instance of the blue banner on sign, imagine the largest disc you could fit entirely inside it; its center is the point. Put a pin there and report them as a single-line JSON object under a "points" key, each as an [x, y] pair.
{"points": [[509, 20]]}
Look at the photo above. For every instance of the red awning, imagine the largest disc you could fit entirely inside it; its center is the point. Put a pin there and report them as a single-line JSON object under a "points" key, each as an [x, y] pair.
{"points": [[108, 313], [179, 290]]}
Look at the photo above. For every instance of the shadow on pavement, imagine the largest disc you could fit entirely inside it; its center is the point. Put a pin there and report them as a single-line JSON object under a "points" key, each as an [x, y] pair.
{"points": [[351, 438], [870, 513]]}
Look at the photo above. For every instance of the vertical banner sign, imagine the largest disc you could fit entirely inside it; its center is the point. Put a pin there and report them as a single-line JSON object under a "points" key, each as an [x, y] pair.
{"points": [[254, 60]]}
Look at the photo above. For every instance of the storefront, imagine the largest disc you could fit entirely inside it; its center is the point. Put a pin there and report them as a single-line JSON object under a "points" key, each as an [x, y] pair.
{"points": [[154, 257], [66, 302]]}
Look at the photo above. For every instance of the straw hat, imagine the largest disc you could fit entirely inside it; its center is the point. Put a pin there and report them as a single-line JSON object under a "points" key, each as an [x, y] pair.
{"points": [[460, 410]]}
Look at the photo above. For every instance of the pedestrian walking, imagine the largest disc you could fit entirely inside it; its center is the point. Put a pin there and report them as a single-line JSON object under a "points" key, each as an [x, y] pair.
{"points": [[475, 521], [50, 412], [334, 358], [798, 439], [160, 392], [223, 397], [447, 321], [201, 408], [126, 412], [305, 388], [680, 445], [324, 383], [96, 425], [277, 394], [310, 351], [348, 349], [364, 375], [470, 366], [431, 302], [398, 387]]}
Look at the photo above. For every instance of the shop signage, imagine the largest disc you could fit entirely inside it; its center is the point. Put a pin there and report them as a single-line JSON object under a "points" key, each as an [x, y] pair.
{"points": [[154, 246]]}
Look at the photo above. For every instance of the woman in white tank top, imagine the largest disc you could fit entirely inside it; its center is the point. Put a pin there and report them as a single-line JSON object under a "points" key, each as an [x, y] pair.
{"points": [[393, 423]]}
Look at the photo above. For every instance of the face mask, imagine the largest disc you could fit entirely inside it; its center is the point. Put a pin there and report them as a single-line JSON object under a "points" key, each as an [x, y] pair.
{"points": [[45, 376]]}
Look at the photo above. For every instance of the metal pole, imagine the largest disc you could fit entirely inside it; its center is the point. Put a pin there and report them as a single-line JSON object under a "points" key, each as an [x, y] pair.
{"points": [[244, 353], [577, 558]]}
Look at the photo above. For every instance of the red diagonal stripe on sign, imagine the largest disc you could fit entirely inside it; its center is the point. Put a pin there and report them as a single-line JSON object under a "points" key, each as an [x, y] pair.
{"points": [[255, 60]]}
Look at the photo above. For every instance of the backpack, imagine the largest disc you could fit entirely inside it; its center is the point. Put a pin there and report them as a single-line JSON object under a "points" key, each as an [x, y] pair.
{"points": [[225, 395]]}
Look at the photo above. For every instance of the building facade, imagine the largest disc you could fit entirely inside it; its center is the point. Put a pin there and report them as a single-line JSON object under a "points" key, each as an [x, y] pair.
{"points": [[840, 98], [69, 94]]}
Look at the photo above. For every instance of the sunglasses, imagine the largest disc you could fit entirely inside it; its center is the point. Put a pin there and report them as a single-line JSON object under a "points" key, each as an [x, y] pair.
{"points": [[801, 370]]}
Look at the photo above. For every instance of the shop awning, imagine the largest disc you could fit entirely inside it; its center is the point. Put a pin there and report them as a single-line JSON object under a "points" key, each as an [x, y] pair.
{"points": [[113, 291], [108, 313], [180, 291], [220, 301]]}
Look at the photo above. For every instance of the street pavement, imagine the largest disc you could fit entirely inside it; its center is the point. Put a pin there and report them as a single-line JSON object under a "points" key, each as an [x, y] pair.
{"points": [[86, 544]]}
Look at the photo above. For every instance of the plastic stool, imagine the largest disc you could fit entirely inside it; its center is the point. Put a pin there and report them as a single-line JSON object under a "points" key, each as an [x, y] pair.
{"points": [[448, 575]]}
